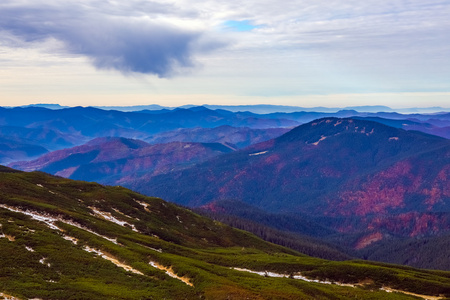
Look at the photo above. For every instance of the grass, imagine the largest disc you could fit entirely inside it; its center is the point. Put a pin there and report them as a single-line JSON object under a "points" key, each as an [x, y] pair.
{"points": [[193, 246]]}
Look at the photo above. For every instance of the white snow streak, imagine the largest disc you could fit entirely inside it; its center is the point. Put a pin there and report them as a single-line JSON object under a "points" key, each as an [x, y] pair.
{"points": [[258, 153], [35, 215], [72, 239], [298, 276], [301, 277], [321, 139], [109, 217], [170, 272], [50, 220], [8, 297], [112, 259], [42, 261], [144, 204]]}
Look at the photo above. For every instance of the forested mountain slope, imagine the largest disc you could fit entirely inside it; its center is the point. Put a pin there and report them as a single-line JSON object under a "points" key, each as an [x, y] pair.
{"points": [[351, 175]]}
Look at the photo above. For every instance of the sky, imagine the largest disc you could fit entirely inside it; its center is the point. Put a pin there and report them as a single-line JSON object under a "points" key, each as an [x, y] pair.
{"points": [[307, 53]]}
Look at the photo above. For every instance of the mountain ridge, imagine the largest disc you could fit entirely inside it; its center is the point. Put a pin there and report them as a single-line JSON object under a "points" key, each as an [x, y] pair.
{"points": [[115, 157]]}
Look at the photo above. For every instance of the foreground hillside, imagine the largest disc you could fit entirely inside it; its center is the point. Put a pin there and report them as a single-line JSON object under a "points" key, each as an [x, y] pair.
{"points": [[63, 239]]}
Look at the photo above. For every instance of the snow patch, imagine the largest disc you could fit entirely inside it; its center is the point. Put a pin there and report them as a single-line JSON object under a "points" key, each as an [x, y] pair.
{"points": [[258, 153], [93, 232], [29, 249], [154, 249], [50, 220], [298, 276], [170, 272], [144, 204], [72, 239], [109, 217], [8, 297], [10, 238], [321, 139], [394, 138], [42, 261], [426, 297], [40, 185], [112, 259], [119, 212], [301, 277]]}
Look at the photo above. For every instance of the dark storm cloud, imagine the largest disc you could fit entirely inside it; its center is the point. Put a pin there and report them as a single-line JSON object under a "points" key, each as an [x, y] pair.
{"points": [[127, 39]]}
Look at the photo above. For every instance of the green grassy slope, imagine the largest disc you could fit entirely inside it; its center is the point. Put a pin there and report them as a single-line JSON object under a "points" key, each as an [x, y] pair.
{"points": [[64, 239]]}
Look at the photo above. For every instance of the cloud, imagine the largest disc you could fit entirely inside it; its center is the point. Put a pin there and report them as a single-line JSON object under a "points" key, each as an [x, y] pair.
{"points": [[129, 39], [337, 46], [298, 47]]}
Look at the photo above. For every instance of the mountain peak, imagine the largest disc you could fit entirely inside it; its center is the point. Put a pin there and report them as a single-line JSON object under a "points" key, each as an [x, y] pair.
{"points": [[199, 108], [316, 131]]}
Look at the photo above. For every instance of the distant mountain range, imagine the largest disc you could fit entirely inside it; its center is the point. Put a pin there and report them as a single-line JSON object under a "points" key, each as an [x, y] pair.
{"points": [[68, 127], [263, 108]]}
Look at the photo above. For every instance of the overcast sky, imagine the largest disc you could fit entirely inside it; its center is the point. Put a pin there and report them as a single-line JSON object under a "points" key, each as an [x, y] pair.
{"points": [[301, 52]]}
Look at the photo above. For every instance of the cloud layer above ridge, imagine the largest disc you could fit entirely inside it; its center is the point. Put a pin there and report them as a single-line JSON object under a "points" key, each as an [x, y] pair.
{"points": [[129, 39]]}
